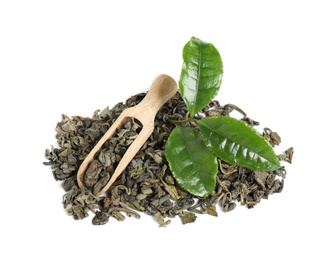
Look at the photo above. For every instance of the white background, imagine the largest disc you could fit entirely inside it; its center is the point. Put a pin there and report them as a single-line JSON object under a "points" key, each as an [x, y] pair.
{"points": [[74, 57]]}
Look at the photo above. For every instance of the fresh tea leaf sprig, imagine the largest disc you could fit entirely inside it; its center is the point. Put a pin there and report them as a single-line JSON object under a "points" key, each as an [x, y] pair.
{"points": [[201, 74], [192, 156]]}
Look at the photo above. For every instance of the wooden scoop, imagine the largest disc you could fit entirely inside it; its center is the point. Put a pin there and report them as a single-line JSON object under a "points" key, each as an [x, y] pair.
{"points": [[161, 91]]}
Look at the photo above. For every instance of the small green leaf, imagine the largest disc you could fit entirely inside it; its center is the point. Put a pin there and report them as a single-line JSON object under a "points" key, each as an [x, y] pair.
{"points": [[192, 164], [201, 74], [238, 144]]}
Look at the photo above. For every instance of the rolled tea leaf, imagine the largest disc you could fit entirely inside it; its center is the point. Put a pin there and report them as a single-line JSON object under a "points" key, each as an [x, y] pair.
{"points": [[238, 144], [192, 164], [201, 74]]}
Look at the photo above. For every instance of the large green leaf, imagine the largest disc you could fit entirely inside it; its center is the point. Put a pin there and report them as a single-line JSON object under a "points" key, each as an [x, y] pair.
{"points": [[192, 164], [238, 144], [201, 74]]}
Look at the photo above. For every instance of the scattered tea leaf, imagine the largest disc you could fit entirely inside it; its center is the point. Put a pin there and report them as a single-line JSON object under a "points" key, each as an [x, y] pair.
{"points": [[160, 220], [211, 210], [100, 218], [187, 217]]}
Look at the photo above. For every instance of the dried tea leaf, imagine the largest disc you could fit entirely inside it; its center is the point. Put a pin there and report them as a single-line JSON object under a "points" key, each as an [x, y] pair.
{"points": [[172, 190], [78, 212], [160, 220], [69, 183], [146, 190], [92, 173], [100, 218], [113, 212], [106, 157], [141, 196], [281, 172], [105, 113], [64, 153], [69, 126], [290, 153], [211, 210], [260, 178], [187, 217], [272, 137], [117, 191], [118, 215], [104, 178]]}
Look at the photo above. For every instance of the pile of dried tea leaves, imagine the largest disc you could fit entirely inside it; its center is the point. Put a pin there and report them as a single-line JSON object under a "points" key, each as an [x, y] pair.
{"points": [[147, 185]]}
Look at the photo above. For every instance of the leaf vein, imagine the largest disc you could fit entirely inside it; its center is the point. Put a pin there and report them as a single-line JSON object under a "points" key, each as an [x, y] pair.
{"points": [[229, 140], [191, 156]]}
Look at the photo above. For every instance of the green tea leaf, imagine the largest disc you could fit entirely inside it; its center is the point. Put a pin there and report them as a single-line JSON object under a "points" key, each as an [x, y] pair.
{"points": [[192, 164], [238, 144], [201, 74]]}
